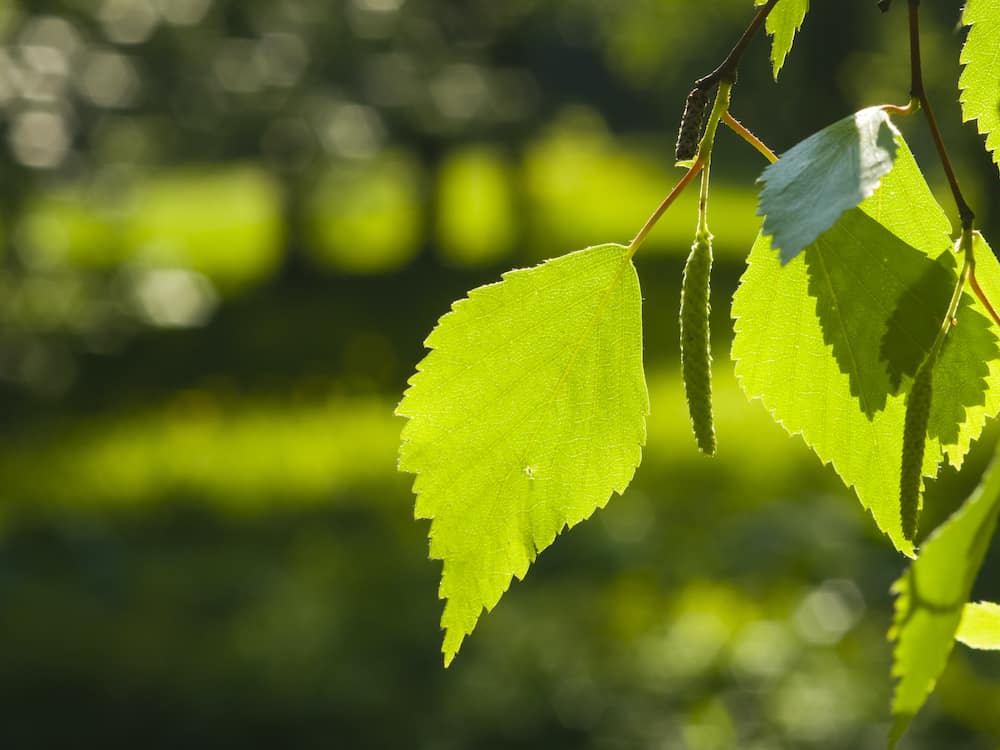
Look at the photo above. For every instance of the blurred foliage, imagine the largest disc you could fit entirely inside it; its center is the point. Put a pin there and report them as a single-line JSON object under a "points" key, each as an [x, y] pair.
{"points": [[366, 218], [476, 206], [227, 225]]}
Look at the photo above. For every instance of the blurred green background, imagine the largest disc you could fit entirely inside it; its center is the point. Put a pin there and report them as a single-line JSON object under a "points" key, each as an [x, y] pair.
{"points": [[227, 226]]}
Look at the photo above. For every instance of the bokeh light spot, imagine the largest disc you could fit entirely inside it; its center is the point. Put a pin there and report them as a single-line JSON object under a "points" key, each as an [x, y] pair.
{"points": [[39, 139], [129, 21]]}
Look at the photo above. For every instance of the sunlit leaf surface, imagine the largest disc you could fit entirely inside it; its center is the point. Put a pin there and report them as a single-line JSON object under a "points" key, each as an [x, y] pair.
{"points": [[831, 341], [980, 81], [782, 24], [931, 597], [528, 412], [980, 626]]}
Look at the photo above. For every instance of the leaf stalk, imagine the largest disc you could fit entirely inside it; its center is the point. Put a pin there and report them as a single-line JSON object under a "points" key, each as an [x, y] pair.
{"points": [[743, 132], [701, 162], [912, 107], [724, 75], [692, 172]]}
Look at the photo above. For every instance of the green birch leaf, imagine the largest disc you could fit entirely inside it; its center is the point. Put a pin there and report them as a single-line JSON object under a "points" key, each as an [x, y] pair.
{"points": [[969, 349], [980, 80], [831, 342], [782, 24], [526, 414], [931, 597], [816, 181], [980, 626]]}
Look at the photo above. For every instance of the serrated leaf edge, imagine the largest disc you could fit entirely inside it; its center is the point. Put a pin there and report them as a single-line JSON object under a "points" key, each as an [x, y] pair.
{"points": [[906, 549], [964, 88], [776, 63], [449, 652]]}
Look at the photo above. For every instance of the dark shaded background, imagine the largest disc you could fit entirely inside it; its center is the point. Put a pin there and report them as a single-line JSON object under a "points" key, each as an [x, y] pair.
{"points": [[227, 227]]}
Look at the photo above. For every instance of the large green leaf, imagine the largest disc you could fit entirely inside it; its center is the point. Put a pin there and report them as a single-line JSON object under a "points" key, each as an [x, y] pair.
{"points": [[980, 81], [817, 180], [932, 594], [980, 626], [528, 412], [831, 341], [782, 24]]}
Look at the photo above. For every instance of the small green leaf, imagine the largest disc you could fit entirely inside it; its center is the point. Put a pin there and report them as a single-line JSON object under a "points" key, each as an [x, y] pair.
{"points": [[980, 626], [816, 181], [782, 24], [528, 412], [831, 342], [980, 81], [931, 597]]}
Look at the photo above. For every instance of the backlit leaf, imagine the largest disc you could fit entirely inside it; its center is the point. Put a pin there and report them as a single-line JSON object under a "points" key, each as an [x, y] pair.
{"points": [[528, 412], [980, 81], [931, 597], [980, 626], [782, 24], [830, 342], [817, 180]]}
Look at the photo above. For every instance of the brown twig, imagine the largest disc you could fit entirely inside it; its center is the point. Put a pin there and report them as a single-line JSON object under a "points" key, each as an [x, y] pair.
{"points": [[725, 74], [918, 93], [727, 68]]}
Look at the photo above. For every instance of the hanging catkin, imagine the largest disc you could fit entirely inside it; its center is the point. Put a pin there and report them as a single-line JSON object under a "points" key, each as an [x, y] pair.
{"points": [[918, 411], [692, 120], [696, 355]]}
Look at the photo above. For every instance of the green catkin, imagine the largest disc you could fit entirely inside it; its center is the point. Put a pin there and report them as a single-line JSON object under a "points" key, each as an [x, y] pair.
{"points": [[696, 355], [689, 132], [918, 410]]}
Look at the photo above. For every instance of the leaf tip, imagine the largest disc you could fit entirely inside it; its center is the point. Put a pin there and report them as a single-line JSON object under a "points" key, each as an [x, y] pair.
{"points": [[899, 727], [454, 635]]}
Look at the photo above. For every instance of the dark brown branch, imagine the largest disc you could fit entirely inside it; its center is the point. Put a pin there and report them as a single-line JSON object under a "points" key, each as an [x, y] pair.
{"points": [[916, 68], [918, 92], [727, 69]]}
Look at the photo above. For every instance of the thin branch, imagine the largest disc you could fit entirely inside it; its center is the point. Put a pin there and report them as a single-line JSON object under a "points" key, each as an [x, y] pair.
{"points": [[725, 74], [916, 68], [727, 69], [918, 92], [918, 95]]}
